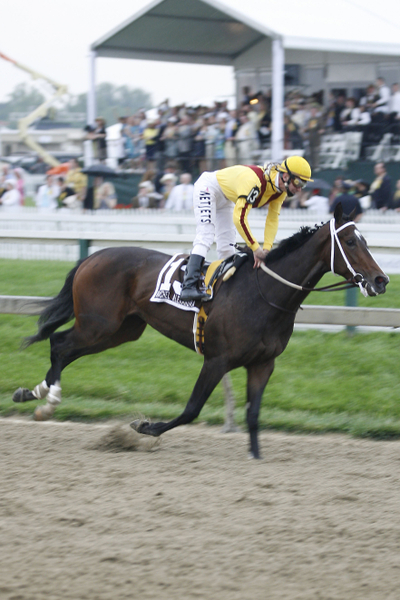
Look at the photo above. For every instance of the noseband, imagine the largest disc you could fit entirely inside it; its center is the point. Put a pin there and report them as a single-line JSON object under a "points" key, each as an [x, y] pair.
{"points": [[358, 278]]}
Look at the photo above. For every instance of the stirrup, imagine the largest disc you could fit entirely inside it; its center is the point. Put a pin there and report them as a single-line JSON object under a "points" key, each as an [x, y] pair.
{"points": [[195, 294]]}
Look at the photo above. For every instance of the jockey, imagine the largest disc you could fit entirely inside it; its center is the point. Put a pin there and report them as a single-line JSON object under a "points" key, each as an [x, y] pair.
{"points": [[222, 200]]}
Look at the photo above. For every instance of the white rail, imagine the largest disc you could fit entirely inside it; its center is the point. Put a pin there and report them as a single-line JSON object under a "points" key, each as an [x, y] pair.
{"points": [[310, 315], [55, 235]]}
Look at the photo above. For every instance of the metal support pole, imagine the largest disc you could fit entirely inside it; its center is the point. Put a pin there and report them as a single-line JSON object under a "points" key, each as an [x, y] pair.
{"points": [[278, 86], [84, 249], [91, 95], [351, 300]]}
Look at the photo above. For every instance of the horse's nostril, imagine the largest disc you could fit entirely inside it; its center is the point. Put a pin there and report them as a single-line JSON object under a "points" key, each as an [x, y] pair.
{"points": [[381, 281]]}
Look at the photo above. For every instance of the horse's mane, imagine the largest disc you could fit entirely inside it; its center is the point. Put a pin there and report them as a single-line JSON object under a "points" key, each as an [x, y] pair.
{"points": [[292, 243]]}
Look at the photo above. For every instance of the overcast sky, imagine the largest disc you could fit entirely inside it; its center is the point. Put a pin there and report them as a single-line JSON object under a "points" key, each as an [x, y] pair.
{"points": [[53, 37]]}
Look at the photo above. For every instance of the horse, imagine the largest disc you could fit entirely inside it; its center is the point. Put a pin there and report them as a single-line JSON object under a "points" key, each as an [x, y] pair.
{"points": [[250, 319]]}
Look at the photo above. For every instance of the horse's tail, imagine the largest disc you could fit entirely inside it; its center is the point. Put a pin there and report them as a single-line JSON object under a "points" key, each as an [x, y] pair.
{"points": [[57, 311]]}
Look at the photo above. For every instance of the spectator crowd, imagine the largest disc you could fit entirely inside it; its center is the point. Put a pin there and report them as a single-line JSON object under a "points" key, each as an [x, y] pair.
{"points": [[174, 145], [203, 138]]}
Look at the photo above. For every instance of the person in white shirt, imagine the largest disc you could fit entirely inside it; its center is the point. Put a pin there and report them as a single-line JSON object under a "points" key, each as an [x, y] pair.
{"points": [[316, 202], [394, 104], [382, 104], [181, 196], [350, 115], [11, 199], [46, 198]]}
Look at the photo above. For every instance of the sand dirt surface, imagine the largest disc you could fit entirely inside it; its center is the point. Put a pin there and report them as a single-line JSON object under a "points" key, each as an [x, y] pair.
{"points": [[88, 512]]}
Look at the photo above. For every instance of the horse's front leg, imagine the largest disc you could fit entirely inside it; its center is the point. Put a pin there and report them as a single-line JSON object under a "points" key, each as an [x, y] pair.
{"points": [[210, 375], [257, 379]]}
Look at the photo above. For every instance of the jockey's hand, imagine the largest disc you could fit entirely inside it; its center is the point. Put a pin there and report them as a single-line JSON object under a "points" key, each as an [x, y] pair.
{"points": [[259, 257]]}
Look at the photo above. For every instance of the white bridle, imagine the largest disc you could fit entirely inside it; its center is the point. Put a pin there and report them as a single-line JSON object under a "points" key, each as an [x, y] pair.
{"points": [[358, 278]]}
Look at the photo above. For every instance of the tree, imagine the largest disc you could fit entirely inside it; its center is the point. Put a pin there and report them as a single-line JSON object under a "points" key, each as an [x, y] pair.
{"points": [[112, 102]]}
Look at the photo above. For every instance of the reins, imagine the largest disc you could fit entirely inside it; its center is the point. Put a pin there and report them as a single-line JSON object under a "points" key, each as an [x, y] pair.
{"points": [[358, 279]]}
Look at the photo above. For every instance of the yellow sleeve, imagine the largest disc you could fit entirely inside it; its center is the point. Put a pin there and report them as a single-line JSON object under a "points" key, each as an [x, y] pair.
{"points": [[271, 223], [240, 218]]}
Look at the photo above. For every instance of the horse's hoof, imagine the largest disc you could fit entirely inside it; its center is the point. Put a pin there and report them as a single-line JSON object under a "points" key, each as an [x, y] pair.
{"points": [[252, 456], [44, 412], [23, 395], [139, 424]]}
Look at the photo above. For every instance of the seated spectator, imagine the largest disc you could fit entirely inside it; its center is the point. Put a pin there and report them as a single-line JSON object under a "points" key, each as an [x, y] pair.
{"points": [[349, 202], [181, 196], [336, 189], [394, 104], [315, 202], [371, 96], [168, 182], [350, 115], [337, 108], [46, 198], [67, 197], [381, 188], [76, 180], [10, 199], [381, 104], [105, 196], [147, 196], [20, 186], [361, 192], [396, 197], [364, 117]]}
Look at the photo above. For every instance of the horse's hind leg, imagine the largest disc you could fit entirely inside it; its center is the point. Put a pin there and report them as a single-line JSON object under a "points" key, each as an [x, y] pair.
{"points": [[66, 347], [210, 375]]}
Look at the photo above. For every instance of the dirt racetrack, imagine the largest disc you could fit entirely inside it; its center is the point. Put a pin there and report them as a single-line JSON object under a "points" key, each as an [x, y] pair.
{"points": [[317, 518]]}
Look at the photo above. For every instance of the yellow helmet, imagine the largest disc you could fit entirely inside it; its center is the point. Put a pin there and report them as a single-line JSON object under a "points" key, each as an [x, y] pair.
{"points": [[296, 167]]}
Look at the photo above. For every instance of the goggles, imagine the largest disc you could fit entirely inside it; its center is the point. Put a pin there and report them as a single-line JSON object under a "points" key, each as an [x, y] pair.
{"points": [[297, 182]]}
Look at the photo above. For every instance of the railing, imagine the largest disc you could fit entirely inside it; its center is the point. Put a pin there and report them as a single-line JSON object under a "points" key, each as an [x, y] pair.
{"points": [[59, 235], [310, 315]]}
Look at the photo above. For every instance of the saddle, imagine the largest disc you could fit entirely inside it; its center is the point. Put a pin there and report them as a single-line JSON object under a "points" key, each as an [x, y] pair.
{"points": [[224, 268]]}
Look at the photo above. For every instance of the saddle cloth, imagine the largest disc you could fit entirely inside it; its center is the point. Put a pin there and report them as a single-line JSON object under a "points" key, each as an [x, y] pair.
{"points": [[169, 282], [169, 286]]}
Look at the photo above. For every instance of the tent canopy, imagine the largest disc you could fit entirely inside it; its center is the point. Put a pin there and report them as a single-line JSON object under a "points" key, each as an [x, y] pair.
{"points": [[214, 32]]}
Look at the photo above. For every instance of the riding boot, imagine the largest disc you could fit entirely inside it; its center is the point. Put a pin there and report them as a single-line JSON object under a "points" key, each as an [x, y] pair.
{"points": [[190, 290]]}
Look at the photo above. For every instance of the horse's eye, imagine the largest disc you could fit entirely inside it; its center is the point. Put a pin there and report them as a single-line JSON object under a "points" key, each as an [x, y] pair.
{"points": [[351, 242]]}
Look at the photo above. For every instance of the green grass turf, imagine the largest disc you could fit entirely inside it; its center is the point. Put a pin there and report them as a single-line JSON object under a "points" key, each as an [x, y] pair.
{"points": [[322, 382]]}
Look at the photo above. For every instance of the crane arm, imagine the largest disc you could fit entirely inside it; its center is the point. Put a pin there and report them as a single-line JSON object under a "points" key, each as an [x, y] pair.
{"points": [[40, 111]]}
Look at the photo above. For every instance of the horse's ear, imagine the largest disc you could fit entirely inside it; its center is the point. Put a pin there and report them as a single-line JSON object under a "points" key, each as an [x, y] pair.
{"points": [[338, 214], [352, 215]]}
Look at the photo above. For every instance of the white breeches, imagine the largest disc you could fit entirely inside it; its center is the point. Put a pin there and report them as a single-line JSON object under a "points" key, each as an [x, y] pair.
{"points": [[214, 218]]}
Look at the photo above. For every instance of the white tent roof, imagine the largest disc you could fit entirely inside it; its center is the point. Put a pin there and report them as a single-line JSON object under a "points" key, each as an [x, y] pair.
{"points": [[218, 31]]}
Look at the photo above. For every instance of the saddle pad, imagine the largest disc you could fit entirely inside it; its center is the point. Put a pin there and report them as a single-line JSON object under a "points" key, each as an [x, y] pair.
{"points": [[169, 284]]}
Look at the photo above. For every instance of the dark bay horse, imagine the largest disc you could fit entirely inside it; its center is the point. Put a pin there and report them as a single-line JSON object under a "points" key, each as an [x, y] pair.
{"points": [[249, 323]]}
